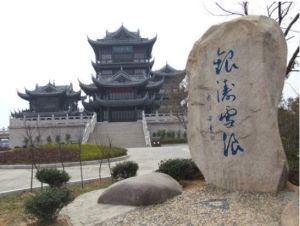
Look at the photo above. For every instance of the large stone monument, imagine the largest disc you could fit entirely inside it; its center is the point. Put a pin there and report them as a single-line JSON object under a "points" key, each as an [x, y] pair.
{"points": [[236, 73]]}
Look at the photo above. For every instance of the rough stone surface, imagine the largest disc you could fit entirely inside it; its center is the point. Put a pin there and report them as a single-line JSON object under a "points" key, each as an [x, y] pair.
{"points": [[290, 214], [141, 190], [84, 210], [236, 73], [192, 209]]}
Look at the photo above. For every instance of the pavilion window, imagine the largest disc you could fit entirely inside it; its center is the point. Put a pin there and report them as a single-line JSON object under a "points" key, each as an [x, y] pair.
{"points": [[122, 57], [139, 57], [106, 58], [121, 95], [140, 72]]}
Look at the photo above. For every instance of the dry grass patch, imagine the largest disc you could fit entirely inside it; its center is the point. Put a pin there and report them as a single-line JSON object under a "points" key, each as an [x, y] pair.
{"points": [[12, 211]]}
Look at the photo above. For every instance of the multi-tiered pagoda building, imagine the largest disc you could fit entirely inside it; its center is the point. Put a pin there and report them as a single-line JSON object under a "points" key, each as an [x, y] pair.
{"points": [[124, 84]]}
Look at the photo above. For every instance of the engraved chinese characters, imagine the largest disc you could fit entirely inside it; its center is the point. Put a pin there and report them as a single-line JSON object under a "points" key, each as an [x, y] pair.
{"points": [[222, 64], [236, 74]]}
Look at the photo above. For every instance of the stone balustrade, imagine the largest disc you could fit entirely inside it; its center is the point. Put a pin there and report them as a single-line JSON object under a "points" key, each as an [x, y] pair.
{"points": [[52, 120], [158, 117]]}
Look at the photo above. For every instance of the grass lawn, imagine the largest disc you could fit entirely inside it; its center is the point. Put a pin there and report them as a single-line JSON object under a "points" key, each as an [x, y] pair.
{"points": [[12, 211], [52, 153]]}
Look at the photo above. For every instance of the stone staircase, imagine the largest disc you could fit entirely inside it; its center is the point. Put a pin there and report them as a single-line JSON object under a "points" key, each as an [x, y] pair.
{"points": [[122, 134]]}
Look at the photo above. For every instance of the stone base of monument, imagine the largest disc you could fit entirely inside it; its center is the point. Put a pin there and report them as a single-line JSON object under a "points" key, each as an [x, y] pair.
{"points": [[236, 73]]}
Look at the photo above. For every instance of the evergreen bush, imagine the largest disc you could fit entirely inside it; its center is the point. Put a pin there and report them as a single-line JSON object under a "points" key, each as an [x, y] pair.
{"points": [[180, 169], [53, 177], [46, 205], [124, 170], [49, 139]]}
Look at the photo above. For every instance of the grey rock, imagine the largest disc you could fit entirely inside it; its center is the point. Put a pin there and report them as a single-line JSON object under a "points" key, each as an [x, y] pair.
{"points": [[290, 214], [236, 73], [141, 190]]}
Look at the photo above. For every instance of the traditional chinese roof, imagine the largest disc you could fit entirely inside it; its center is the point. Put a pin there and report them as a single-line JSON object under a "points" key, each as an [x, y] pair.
{"points": [[122, 36], [155, 84], [50, 90], [88, 89], [168, 71], [120, 79], [23, 95], [90, 106], [146, 100], [94, 105]]}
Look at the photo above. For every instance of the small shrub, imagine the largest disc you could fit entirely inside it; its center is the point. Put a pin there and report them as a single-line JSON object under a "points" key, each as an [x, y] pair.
{"points": [[124, 170], [180, 169], [53, 177], [68, 138], [49, 139], [178, 134], [57, 139], [161, 133], [46, 205], [25, 141], [169, 133]]}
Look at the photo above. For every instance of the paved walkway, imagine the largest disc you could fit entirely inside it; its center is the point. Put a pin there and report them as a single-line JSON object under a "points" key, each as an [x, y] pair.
{"points": [[147, 158]]}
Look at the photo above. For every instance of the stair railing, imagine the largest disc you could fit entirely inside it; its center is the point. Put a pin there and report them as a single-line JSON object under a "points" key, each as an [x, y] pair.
{"points": [[89, 128], [146, 131]]}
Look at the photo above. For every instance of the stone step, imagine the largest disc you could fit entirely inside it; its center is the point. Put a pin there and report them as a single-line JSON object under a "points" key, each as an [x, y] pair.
{"points": [[121, 134]]}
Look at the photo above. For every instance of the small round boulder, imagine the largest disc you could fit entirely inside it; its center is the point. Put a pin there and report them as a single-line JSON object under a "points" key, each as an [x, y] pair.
{"points": [[141, 190]]}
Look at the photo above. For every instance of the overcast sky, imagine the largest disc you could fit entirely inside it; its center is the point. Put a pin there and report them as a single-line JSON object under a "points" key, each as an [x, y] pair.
{"points": [[47, 40]]}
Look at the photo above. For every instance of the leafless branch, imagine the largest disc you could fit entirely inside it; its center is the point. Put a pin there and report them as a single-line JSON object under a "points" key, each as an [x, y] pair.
{"points": [[285, 10], [289, 38], [245, 7], [291, 24], [279, 13], [292, 62], [230, 13], [269, 8]]}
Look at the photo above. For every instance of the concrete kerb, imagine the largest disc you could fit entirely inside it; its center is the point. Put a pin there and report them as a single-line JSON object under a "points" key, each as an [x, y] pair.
{"points": [[37, 188], [66, 164]]}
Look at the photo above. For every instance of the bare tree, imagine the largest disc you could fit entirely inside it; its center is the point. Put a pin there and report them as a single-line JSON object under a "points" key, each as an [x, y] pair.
{"points": [[280, 12], [178, 101], [30, 144], [59, 143], [104, 153], [109, 156], [80, 137]]}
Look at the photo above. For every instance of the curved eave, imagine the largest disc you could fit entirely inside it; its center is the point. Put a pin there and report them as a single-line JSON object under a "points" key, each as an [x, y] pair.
{"points": [[76, 95], [33, 94], [123, 103], [23, 96], [88, 89], [155, 85], [101, 84], [89, 106], [103, 42], [151, 43]]}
